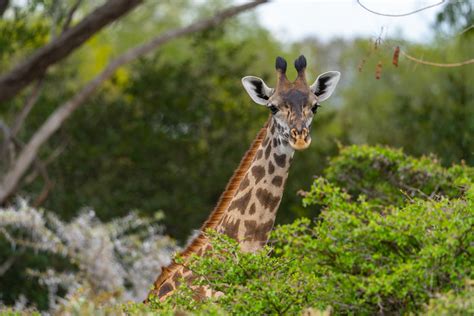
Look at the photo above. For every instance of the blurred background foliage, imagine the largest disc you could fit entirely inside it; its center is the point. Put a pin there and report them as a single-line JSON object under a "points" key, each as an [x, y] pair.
{"points": [[166, 132]]}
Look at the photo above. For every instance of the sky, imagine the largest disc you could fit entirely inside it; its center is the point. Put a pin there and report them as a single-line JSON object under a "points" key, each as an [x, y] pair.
{"points": [[326, 19]]}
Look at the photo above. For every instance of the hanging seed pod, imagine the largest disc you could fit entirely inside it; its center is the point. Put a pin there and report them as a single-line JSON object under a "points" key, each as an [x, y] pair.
{"points": [[361, 65], [378, 70], [396, 54]]}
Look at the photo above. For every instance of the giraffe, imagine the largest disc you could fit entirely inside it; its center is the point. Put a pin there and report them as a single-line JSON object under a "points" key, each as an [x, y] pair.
{"points": [[247, 208]]}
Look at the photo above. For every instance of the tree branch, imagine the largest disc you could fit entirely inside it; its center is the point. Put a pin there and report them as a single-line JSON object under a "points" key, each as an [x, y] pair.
{"points": [[402, 14], [29, 103], [3, 6], [57, 118], [35, 66], [7, 264], [70, 15], [430, 63]]}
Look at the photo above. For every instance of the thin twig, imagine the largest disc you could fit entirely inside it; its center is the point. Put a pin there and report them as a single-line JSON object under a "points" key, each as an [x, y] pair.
{"points": [[402, 14], [465, 30], [7, 265], [29, 103], [430, 63], [40, 168], [70, 15], [52, 157]]}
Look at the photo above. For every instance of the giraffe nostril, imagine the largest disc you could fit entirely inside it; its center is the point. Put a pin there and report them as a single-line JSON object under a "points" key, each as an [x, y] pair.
{"points": [[294, 133]]}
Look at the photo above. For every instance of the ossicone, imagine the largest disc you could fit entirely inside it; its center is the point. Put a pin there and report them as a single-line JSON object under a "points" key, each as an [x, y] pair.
{"points": [[280, 64], [300, 63]]}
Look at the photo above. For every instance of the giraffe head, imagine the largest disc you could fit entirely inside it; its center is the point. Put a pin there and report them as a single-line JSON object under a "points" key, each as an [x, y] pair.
{"points": [[293, 104]]}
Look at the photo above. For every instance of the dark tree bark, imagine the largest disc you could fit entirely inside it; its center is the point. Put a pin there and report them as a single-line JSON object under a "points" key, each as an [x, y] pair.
{"points": [[34, 66], [3, 6]]}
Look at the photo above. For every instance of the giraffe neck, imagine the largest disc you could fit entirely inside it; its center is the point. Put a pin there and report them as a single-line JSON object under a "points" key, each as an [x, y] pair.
{"points": [[246, 210], [251, 213]]}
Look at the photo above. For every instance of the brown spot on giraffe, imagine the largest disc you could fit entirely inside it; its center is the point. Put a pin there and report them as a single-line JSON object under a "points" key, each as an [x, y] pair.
{"points": [[165, 289], [266, 140], [242, 202], [258, 172], [255, 231], [280, 160], [263, 231], [252, 209], [275, 142], [250, 228], [277, 181], [267, 199], [179, 273], [271, 167], [268, 150], [259, 154], [245, 183], [231, 229]]}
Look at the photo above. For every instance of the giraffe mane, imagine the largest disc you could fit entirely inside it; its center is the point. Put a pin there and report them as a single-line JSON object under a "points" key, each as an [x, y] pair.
{"points": [[220, 208]]}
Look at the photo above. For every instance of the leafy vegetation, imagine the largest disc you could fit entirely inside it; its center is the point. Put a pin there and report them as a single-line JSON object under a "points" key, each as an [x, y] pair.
{"points": [[363, 254], [392, 233], [410, 252]]}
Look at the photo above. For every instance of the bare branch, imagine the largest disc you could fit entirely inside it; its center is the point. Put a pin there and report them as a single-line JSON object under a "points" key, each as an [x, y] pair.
{"points": [[6, 153], [29, 103], [40, 169], [70, 15], [45, 163], [465, 30], [430, 63], [402, 14], [57, 118], [47, 186], [35, 66], [7, 264]]}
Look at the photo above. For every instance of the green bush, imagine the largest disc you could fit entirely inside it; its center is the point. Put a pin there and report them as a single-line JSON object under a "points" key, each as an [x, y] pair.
{"points": [[393, 235], [453, 303], [393, 232]]}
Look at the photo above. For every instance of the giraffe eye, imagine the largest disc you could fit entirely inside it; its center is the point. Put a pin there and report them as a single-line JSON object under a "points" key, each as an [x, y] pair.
{"points": [[273, 108], [315, 107]]}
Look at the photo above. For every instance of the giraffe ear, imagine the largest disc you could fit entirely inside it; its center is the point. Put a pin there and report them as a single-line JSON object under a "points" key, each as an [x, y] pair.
{"points": [[325, 84], [257, 89]]}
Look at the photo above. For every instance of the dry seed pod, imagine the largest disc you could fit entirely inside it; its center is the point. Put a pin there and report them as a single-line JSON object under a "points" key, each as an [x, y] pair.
{"points": [[378, 70], [396, 54]]}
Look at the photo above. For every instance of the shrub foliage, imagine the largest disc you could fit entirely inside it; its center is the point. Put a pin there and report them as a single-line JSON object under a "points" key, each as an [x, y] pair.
{"points": [[393, 233], [390, 235]]}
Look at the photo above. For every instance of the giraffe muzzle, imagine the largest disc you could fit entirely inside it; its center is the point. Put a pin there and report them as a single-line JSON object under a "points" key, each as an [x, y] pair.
{"points": [[300, 140]]}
